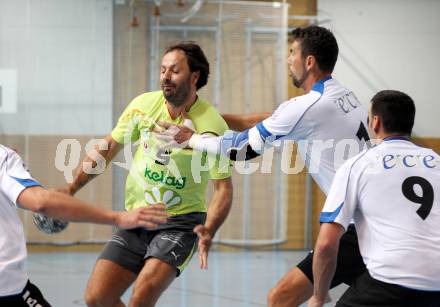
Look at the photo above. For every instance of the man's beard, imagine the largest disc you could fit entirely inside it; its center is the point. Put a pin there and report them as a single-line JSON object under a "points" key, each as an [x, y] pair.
{"points": [[178, 94], [298, 82]]}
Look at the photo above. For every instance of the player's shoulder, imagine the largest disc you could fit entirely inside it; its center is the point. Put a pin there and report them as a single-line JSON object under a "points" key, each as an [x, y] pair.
{"points": [[340, 101], [206, 118], [148, 99], [358, 162], [310, 97], [9, 157], [143, 105], [370, 156], [3, 153], [6, 152], [327, 86], [419, 148], [405, 146], [297, 105], [317, 92], [332, 90], [203, 105]]}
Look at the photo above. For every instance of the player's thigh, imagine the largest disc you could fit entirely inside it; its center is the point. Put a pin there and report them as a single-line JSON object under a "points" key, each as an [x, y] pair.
{"points": [[349, 265], [168, 253], [293, 289], [118, 265], [173, 246], [153, 279], [108, 281]]}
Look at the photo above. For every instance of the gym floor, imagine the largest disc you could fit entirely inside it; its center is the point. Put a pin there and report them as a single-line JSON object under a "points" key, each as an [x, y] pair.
{"points": [[233, 279]]}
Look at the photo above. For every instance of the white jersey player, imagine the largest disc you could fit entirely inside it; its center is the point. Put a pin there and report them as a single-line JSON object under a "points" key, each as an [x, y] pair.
{"points": [[391, 192], [17, 187], [13, 180], [324, 122], [328, 119]]}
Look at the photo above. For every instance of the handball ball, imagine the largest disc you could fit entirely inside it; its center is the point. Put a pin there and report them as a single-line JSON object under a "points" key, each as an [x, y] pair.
{"points": [[48, 225]]}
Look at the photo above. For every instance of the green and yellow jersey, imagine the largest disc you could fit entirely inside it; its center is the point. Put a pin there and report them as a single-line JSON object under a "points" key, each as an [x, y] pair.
{"points": [[176, 177]]}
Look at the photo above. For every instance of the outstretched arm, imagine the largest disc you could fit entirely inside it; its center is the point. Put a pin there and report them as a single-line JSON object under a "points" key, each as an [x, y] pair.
{"points": [[61, 206], [82, 176], [237, 146], [218, 211], [238, 122], [247, 144]]}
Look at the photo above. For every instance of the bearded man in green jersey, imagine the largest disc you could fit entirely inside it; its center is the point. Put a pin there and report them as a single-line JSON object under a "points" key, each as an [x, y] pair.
{"points": [[151, 259]]}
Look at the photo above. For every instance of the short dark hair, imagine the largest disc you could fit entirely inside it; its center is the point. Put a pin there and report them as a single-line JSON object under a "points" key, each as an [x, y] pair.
{"points": [[396, 111], [196, 60], [319, 42]]}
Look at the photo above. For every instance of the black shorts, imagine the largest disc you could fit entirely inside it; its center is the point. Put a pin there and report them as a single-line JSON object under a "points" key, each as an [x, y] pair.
{"points": [[349, 262], [173, 243], [30, 296], [367, 291]]}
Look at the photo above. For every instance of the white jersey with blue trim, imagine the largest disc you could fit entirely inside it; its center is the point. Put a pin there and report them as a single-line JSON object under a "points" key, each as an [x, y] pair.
{"points": [[393, 193], [323, 122], [14, 178]]}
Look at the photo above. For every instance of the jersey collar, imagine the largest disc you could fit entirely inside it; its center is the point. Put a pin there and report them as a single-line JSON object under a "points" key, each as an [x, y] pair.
{"points": [[396, 138], [319, 85]]}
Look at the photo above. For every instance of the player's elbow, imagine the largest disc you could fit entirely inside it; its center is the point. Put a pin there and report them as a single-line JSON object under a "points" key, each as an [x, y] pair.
{"points": [[326, 248], [327, 244], [41, 201], [35, 199]]}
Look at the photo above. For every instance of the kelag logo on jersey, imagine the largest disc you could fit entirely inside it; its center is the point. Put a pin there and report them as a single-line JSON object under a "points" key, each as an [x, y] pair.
{"points": [[162, 195], [178, 183]]}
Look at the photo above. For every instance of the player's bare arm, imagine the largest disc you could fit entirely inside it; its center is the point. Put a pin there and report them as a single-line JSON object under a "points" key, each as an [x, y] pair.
{"points": [[218, 211], [324, 261], [61, 206], [241, 122], [237, 146], [81, 177]]}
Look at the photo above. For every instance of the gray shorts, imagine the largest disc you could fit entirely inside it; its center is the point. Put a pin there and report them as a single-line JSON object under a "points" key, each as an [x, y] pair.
{"points": [[174, 243]]}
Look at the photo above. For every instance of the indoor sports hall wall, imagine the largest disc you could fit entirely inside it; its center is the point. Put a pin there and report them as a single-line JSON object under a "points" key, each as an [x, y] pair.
{"points": [[56, 56], [61, 53], [389, 44]]}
